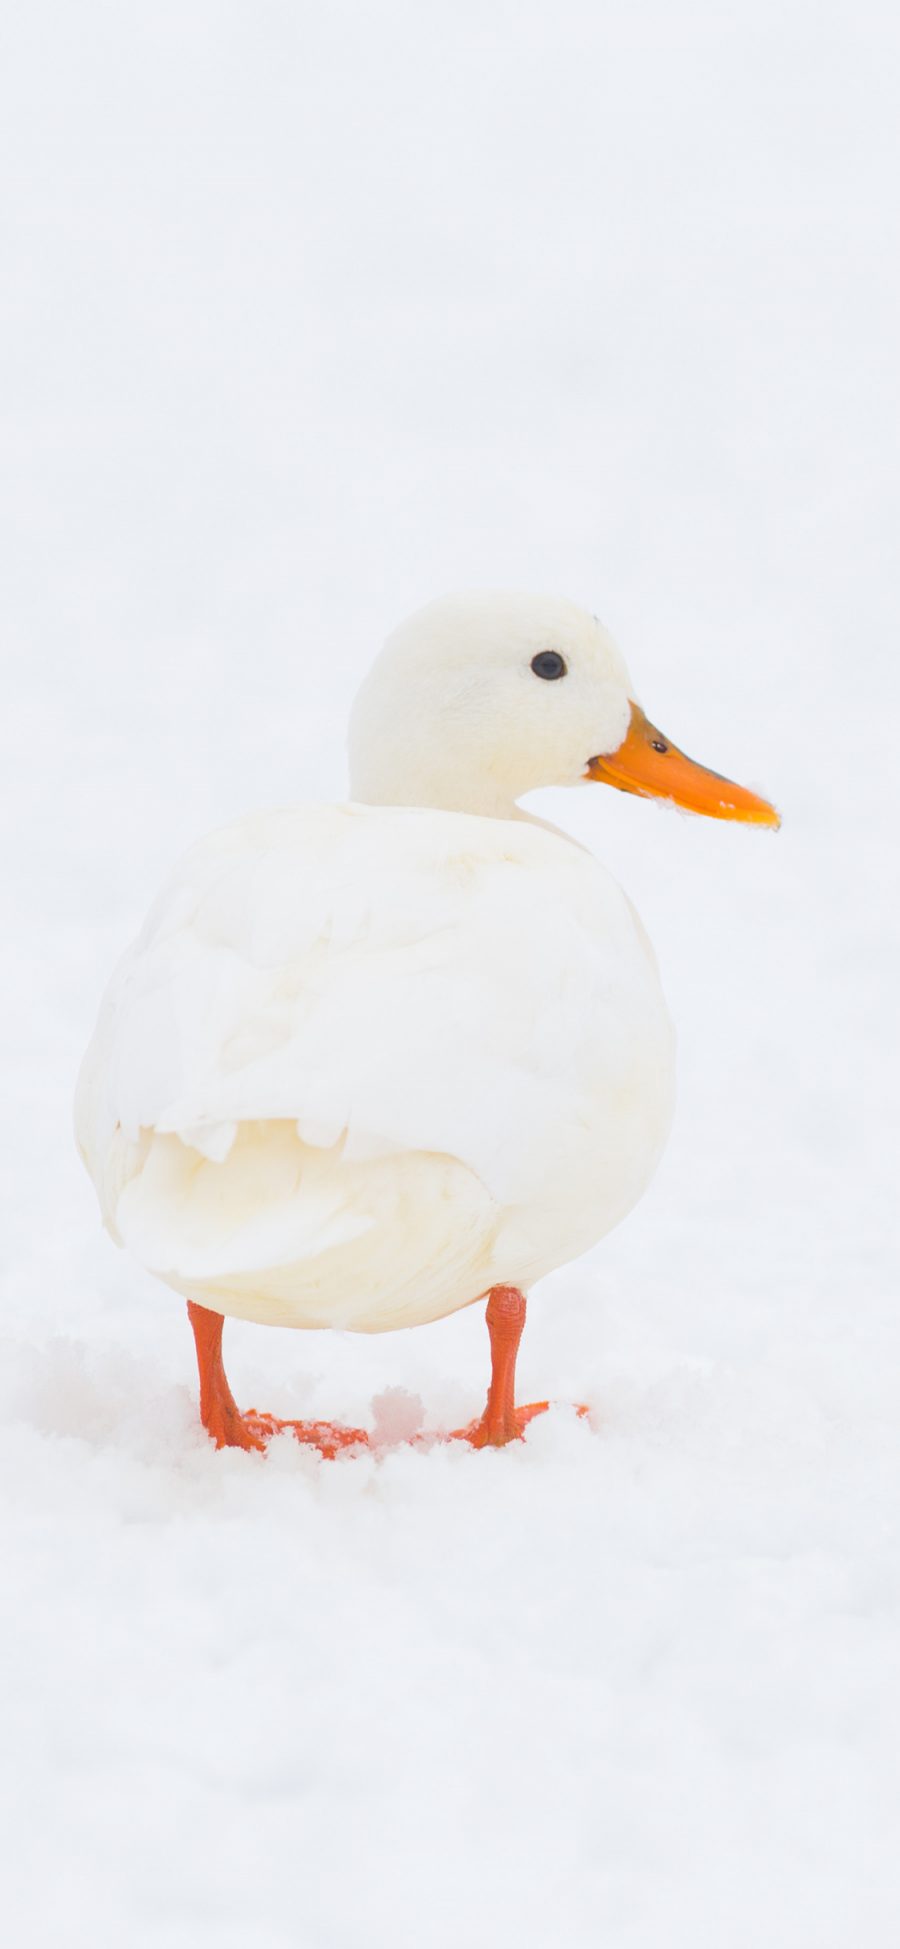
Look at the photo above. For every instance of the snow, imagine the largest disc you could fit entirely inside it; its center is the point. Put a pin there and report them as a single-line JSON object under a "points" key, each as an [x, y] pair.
{"points": [[312, 315]]}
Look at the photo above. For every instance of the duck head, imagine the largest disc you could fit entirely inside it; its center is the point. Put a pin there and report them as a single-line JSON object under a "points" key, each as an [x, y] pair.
{"points": [[477, 699]]}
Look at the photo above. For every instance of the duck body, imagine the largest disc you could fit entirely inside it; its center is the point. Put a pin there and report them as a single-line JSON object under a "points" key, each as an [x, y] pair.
{"points": [[366, 1062]]}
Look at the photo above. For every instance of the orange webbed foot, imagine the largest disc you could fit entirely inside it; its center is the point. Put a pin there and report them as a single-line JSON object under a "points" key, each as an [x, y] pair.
{"points": [[494, 1430], [329, 1437], [229, 1428]]}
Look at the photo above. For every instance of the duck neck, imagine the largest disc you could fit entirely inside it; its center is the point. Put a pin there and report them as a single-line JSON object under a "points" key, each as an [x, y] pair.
{"points": [[438, 782], [430, 797]]}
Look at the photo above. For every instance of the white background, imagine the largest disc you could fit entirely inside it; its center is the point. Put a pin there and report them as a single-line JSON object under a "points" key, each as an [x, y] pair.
{"points": [[311, 313]]}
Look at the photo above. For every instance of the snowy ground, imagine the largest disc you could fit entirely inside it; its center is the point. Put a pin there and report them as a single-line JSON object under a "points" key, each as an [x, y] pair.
{"points": [[312, 313]]}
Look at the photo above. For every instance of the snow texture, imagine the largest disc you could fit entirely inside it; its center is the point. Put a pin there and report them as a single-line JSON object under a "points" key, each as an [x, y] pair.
{"points": [[312, 314]]}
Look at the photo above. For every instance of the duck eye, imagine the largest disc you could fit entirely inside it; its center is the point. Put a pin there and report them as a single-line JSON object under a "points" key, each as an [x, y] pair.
{"points": [[658, 744], [549, 664]]}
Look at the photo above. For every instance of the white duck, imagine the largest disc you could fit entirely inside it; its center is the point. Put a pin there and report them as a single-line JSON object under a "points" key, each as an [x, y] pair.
{"points": [[368, 1063]]}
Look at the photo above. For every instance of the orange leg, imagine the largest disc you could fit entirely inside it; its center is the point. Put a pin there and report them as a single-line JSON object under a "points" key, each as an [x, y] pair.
{"points": [[221, 1416], [502, 1421]]}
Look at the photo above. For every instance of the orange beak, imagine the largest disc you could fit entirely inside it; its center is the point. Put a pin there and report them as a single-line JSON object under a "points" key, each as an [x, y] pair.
{"points": [[646, 763]]}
